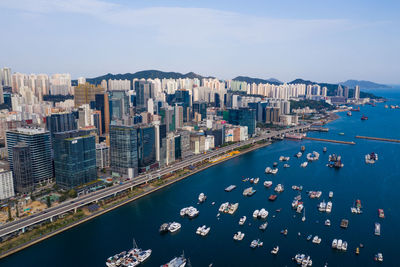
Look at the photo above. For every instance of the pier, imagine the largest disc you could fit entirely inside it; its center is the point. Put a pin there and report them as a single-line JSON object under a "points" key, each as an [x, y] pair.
{"points": [[378, 139], [330, 141]]}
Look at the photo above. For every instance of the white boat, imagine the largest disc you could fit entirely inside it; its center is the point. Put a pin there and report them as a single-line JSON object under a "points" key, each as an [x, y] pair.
{"points": [[316, 240], [263, 213], [313, 156], [344, 246], [328, 222], [256, 180], [191, 212], [286, 165], [334, 243], [371, 158], [304, 164], [205, 231], [282, 158], [299, 208], [202, 197], [255, 214], [339, 244], [328, 207], [263, 226], [379, 257], [304, 215], [242, 220], [274, 171], [275, 250], [268, 184], [279, 188], [143, 255], [377, 229], [322, 206], [176, 262], [173, 227], [299, 154], [330, 194], [238, 236], [254, 244]]}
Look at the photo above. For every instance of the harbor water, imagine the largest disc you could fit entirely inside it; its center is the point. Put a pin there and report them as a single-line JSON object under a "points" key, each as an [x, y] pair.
{"points": [[376, 185]]}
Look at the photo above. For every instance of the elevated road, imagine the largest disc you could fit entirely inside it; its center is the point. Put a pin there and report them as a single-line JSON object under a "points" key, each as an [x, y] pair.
{"points": [[48, 214]]}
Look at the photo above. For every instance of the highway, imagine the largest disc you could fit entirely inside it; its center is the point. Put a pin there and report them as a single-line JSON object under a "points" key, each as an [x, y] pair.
{"points": [[141, 179]]}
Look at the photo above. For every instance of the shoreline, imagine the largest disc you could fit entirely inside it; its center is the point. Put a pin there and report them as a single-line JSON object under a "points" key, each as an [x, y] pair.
{"points": [[143, 194]]}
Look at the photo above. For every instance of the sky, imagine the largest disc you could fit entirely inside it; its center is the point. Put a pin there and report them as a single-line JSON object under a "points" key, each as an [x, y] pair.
{"points": [[322, 41]]}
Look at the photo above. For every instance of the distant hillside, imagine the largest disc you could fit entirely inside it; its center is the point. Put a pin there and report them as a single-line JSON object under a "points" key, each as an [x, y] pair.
{"points": [[257, 80], [364, 84], [145, 74]]}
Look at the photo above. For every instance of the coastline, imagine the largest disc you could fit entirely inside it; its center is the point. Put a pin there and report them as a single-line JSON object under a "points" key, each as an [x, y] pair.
{"points": [[143, 194]]}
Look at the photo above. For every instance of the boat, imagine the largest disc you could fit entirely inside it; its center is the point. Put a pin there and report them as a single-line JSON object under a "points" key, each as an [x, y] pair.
{"points": [[263, 226], [309, 237], [349, 113], [381, 213], [173, 227], [364, 118], [322, 206], [256, 180], [272, 197], [314, 194], [341, 133], [164, 228], [324, 149], [254, 243], [299, 208], [304, 164], [316, 240], [205, 230], [255, 214], [286, 165], [132, 258], [202, 197], [252, 180], [269, 170], [339, 244], [330, 194], [263, 213], [377, 229], [242, 220], [327, 222], [371, 158], [357, 250], [284, 232], [378, 257], [335, 161], [191, 212], [304, 215], [268, 184], [249, 191], [386, 106], [279, 188], [176, 262], [246, 179], [230, 188], [334, 243], [229, 208], [275, 164], [302, 148], [298, 154], [238, 236], [313, 156], [344, 223], [275, 250], [344, 246], [282, 158]]}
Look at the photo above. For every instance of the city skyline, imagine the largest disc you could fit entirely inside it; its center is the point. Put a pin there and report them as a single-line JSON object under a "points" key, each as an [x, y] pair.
{"points": [[319, 42]]}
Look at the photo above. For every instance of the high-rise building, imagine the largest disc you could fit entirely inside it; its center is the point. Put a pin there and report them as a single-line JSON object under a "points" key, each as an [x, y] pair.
{"points": [[101, 104], [346, 92], [6, 184], [6, 77], [200, 108], [144, 91], [61, 122], [146, 142], [60, 84], [243, 117], [85, 93], [74, 158], [102, 155], [118, 104], [178, 116], [81, 80], [22, 168], [123, 150], [339, 91], [357, 92], [272, 115], [38, 140]]}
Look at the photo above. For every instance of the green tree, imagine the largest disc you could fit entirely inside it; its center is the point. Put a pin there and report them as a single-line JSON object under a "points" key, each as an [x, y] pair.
{"points": [[9, 212], [48, 201], [72, 193], [32, 197], [62, 198]]}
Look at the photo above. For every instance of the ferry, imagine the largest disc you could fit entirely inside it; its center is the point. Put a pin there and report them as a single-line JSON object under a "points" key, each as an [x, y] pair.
{"points": [[378, 257], [272, 197], [238, 236], [377, 229], [381, 213], [202, 197], [371, 158], [268, 184], [275, 250], [364, 118], [230, 188], [173, 227], [304, 164], [242, 220], [176, 262]]}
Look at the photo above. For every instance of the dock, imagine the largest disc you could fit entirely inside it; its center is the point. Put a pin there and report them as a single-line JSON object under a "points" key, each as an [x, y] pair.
{"points": [[319, 129], [378, 139], [330, 141]]}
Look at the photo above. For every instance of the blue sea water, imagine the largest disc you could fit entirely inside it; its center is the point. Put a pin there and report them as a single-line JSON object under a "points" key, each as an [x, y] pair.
{"points": [[377, 186]]}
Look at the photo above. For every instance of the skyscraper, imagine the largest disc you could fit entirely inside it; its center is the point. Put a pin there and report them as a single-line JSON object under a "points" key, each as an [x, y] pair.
{"points": [[22, 168], [39, 144], [61, 122], [144, 91], [6, 184], [74, 158], [123, 150], [146, 143], [85, 93], [357, 92]]}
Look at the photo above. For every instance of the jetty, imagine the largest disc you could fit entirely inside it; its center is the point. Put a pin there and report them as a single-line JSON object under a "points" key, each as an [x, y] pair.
{"points": [[318, 129], [330, 140], [378, 139]]}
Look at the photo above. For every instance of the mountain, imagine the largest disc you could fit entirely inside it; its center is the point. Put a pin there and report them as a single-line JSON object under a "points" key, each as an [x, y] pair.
{"points": [[146, 74], [257, 80], [364, 84]]}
